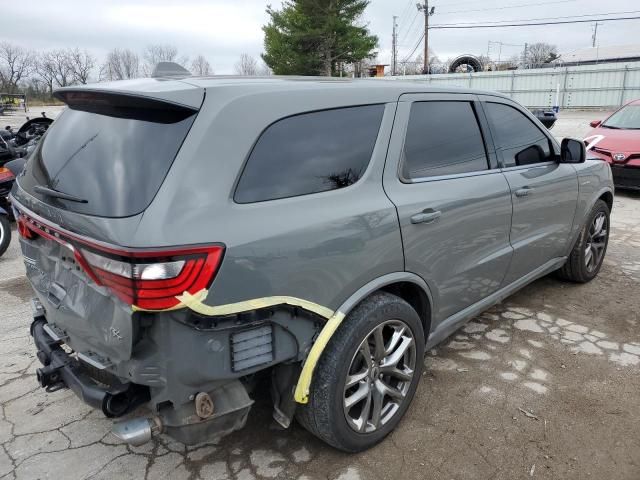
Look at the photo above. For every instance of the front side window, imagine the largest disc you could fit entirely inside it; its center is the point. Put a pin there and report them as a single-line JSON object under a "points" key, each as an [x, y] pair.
{"points": [[443, 138], [310, 153], [518, 138]]}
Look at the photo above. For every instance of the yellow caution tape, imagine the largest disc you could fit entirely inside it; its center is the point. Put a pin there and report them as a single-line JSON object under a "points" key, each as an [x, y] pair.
{"points": [[301, 394], [196, 303]]}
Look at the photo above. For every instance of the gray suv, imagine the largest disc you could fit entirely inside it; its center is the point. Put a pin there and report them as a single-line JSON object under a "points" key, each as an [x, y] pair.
{"points": [[184, 236]]}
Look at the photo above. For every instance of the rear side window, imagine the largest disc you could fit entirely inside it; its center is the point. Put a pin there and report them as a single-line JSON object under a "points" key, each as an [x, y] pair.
{"points": [[518, 138], [443, 138], [310, 153], [111, 151]]}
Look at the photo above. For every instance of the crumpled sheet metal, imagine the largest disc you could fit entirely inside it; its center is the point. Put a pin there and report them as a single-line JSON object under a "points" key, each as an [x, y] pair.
{"points": [[334, 319]]}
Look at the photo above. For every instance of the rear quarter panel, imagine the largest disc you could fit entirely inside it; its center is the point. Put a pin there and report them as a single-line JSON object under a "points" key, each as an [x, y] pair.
{"points": [[594, 180], [320, 247]]}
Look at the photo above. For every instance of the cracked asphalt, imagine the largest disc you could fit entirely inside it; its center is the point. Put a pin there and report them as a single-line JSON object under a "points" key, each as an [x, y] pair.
{"points": [[545, 385]]}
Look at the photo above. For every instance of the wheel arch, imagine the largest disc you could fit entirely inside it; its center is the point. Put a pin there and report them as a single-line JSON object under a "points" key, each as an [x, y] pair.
{"points": [[607, 197], [408, 286]]}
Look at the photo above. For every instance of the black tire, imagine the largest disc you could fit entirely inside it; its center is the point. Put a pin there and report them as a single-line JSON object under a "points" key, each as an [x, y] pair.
{"points": [[5, 233], [325, 415], [577, 268]]}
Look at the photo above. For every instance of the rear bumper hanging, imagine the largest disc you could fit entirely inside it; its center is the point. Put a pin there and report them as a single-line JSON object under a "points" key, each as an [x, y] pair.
{"points": [[61, 370]]}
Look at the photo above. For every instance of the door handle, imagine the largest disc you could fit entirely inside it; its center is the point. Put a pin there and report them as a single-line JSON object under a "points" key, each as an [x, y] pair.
{"points": [[426, 216], [524, 192]]}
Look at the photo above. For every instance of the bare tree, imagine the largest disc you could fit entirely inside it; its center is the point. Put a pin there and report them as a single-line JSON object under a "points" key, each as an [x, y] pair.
{"points": [[247, 65], [200, 66], [416, 66], [45, 71], [16, 64], [60, 64], [264, 70], [120, 64], [538, 54], [82, 64], [154, 54]]}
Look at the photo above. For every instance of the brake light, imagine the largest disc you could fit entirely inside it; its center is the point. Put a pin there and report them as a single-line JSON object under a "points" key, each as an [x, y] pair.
{"points": [[149, 279], [23, 229], [5, 174], [153, 280]]}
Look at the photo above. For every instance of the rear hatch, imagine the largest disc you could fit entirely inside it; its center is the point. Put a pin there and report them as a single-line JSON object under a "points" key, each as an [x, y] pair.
{"points": [[81, 196]]}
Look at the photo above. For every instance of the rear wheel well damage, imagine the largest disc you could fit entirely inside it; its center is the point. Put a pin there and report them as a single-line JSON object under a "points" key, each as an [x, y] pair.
{"points": [[415, 296], [607, 197]]}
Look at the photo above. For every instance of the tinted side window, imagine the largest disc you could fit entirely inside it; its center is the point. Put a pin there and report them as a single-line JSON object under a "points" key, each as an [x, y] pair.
{"points": [[310, 153], [519, 139], [443, 138]]}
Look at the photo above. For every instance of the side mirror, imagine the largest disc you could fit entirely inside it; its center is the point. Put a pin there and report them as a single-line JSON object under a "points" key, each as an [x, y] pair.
{"points": [[572, 151], [595, 123]]}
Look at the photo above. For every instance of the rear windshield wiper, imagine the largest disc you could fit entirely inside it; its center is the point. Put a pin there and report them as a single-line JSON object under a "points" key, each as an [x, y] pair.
{"points": [[50, 192]]}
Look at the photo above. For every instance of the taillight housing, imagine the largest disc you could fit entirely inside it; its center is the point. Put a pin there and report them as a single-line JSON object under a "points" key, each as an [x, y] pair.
{"points": [[148, 279], [152, 280]]}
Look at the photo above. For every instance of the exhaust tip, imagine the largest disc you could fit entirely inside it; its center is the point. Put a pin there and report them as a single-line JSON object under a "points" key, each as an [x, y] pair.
{"points": [[135, 432]]}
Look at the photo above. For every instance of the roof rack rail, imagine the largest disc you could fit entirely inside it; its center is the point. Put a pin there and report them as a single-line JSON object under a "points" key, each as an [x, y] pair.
{"points": [[169, 69]]}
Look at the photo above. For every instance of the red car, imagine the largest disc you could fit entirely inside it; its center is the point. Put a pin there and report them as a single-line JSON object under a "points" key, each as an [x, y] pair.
{"points": [[617, 140]]}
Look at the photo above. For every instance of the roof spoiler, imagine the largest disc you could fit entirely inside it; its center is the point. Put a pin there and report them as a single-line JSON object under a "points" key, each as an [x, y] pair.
{"points": [[169, 69], [124, 105]]}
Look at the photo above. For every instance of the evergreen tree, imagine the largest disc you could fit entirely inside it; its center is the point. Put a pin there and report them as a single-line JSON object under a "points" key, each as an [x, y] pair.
{"points": [[311, 37]]}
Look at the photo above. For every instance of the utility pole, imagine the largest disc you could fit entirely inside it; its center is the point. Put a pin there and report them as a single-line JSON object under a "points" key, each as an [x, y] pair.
{"points": [[424, 8], [595, 34], [394, 52], [525, 55]]}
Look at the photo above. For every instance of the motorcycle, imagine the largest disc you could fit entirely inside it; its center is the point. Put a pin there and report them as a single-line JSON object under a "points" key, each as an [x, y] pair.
{"points": [[7, 176], [14, 148]]}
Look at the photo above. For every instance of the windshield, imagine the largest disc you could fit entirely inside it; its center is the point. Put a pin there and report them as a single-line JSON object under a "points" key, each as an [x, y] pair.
{"points": [[108, 156], [627, 117]]}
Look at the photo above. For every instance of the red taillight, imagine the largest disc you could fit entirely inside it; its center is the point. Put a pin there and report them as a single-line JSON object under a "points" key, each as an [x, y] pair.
{"points": [[5, 174], [153, 280], [147, 279], [23, 229]]}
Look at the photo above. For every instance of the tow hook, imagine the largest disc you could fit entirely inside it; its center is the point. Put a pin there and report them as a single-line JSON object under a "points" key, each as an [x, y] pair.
{"points": [[49, 378], [137, 431]]}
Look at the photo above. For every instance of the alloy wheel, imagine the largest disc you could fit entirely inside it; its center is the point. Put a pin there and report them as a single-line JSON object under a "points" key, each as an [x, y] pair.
{"points": [[596, 242], [379, 376]]}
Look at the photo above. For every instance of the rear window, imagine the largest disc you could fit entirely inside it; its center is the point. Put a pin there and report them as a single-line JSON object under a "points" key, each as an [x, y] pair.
{"points": [[110, 151], [310, 153]]}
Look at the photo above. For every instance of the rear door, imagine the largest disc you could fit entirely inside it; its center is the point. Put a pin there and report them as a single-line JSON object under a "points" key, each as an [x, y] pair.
{"points": [[454, 209], [544, 192]]}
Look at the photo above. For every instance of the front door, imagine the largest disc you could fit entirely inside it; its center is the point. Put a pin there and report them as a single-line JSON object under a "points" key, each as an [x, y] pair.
{"points": [[454, 209], [544, 192]]}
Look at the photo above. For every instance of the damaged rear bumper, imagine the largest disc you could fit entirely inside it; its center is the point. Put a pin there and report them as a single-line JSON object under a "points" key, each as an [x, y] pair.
{"points": [[61, 370]]}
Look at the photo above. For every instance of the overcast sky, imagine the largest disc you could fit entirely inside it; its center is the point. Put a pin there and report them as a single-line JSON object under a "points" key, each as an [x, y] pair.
{"points": [[223, 29]]}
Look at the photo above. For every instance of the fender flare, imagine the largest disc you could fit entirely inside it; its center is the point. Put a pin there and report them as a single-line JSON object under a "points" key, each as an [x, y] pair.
{"points": [[301, 393], [592, 201]]}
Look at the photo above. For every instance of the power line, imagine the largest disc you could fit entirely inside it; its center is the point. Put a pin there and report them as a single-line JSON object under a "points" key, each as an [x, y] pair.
{"points": [[410, 25], [406, 58], [544, 18], [406, 10], [507, 7], [453, 25]]}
